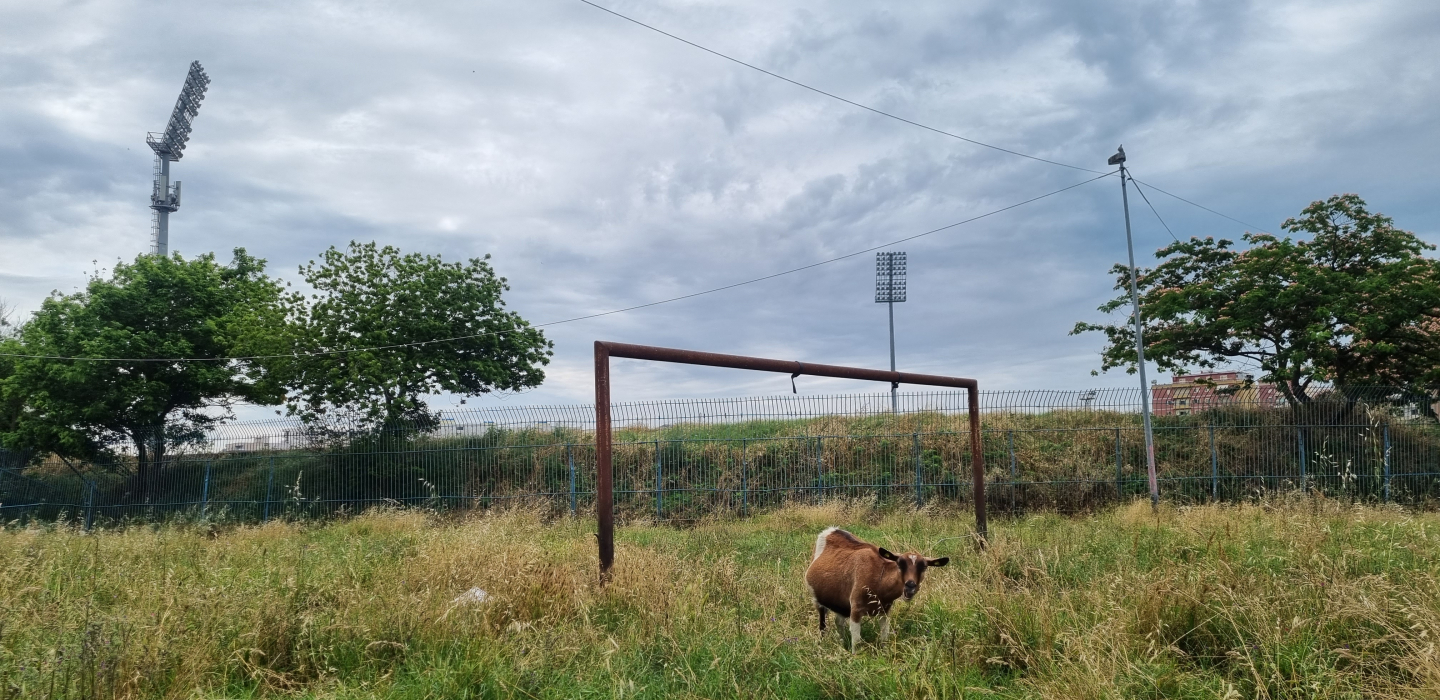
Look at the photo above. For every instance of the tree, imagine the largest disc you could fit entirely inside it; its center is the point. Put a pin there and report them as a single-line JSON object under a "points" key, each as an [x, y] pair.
{"points": [[433, 326], [7, 327], [1356, 304], [9, 348], [157, 308], [10, 403]]}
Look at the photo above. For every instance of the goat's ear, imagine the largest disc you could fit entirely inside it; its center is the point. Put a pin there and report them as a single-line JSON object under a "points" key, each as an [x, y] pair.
{"points": [[885, 554], [942, 561]]}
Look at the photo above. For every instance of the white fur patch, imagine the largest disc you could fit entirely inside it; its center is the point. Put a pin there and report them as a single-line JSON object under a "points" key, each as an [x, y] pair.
{"points": [[854, 635], [820, 541]]}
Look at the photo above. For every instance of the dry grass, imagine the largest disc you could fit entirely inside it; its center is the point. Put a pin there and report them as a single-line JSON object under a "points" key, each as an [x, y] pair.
{"points": [[1305, 598]]}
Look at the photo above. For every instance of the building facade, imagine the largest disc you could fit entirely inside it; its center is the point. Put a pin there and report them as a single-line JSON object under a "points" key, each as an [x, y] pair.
{"points": [[1193, 393]]}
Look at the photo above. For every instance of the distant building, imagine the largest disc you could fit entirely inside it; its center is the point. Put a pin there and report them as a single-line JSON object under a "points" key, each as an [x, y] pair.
{"points": [[1191, 393]]}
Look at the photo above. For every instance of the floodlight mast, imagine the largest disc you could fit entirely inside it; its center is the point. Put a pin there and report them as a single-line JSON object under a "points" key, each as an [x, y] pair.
{"points": [[170, 146], [890, 288]]}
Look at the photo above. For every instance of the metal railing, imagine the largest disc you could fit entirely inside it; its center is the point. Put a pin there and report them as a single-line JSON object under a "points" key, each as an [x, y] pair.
{"points": [[678, 460]]}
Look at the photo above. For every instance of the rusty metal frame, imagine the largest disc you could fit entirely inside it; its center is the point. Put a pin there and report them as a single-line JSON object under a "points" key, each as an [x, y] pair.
{"points": [[604, 350]]}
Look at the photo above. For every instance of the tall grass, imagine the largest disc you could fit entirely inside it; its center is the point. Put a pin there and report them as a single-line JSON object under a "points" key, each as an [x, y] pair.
{"points": [[1298, 598]]}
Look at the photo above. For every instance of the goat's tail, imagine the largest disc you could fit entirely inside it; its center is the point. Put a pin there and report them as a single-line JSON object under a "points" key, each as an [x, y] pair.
{"points": [[820, 541]]}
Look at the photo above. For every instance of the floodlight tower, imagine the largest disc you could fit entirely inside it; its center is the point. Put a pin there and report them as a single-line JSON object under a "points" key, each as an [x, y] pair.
{"points": [[889, 289], [170, 146]]}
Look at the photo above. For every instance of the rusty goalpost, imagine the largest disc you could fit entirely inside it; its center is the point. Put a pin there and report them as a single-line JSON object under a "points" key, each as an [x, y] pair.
{"points": [[604, 350]]}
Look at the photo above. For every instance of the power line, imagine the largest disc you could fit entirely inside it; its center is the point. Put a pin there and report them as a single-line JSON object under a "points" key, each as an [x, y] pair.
{"points": [[1201, 206], [896, 117], [833, 96], [577, 318], [1152, 208]]}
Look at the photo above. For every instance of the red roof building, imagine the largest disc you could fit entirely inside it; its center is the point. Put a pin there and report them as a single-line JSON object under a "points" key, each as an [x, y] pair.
{"points": [[1193, 393]]}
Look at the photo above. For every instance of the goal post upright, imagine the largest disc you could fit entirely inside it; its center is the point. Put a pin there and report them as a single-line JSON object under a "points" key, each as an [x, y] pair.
{"points": [[604, 350]]}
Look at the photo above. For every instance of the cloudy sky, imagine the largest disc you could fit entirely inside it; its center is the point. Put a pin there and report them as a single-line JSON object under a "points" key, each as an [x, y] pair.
{"points": [[604, 165]]}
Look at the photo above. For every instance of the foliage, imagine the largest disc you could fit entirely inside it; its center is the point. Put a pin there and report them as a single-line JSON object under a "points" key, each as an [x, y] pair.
{"points": [[7, 325], [153, 308], [1278, 600], [1357, 303], [9, 348], [405, 305]]}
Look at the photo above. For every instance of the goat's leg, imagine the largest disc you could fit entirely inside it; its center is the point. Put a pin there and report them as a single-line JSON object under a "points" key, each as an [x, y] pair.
{"points": [[824, 613], [884, 628], [857, 613]]}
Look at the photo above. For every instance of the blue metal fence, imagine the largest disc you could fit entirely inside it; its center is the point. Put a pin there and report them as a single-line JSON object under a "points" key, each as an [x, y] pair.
{"points": [[685, 459]]}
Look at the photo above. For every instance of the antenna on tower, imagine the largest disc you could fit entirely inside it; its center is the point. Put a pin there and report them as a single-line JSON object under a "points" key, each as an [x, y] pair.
{"points": [[169, 146]]}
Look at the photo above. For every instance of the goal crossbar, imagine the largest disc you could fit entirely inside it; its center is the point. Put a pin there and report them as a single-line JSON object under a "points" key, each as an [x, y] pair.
{"points": [[604, 350]]}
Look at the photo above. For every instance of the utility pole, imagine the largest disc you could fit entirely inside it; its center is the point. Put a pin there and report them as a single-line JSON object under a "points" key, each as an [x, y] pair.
{"points": [[890, 288], [1119, 159]]}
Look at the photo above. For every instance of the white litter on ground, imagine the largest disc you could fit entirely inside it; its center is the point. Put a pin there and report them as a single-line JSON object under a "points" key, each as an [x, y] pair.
{"points": [[474, 595]]}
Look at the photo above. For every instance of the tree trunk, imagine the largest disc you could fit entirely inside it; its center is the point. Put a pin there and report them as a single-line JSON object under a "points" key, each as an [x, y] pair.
{"points": [[142, 468], [149, 452]]}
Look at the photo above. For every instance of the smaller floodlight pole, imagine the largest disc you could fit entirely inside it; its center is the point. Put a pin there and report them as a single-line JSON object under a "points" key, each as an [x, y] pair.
{"points": [[890, 288], [1119, 159], [170, 146]]}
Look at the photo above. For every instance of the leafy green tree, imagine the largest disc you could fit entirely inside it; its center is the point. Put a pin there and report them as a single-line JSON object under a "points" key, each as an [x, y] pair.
{"points": [[434, 326], [9, 348], [1358, 303], [7, 324], [10, 402], [145, 320]]}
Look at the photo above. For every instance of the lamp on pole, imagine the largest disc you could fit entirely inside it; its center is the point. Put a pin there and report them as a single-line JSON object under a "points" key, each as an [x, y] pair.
{"points": [[170, 146], [889, 289], [1119, 159]]}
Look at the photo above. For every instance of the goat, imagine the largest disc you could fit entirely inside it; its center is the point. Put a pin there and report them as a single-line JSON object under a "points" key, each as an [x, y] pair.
{"points": [[854, 578]]}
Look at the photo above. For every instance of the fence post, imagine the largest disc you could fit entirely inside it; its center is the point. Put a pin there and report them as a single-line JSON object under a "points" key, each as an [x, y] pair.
{"points": [[659, 484], [819, 468], [1214, 468], [919, 474], [570, 458], [1012, 469], [1304, 481], [269, 484], [89, 503], [1119, 469], [205, 492], [1387, 462], [744, 476]]}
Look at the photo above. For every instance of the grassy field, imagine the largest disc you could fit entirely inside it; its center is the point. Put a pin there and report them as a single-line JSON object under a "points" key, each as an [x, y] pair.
{"points": [[1306, 598]]}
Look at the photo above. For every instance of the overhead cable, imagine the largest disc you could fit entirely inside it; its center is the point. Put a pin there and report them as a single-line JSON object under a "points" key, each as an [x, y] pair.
{"points": [[834, 96], [890, 115], [1152, 207], [1201, 206]]}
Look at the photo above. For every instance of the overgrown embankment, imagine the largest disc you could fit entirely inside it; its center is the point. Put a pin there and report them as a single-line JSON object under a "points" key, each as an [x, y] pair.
{"points": [[1065, 461]]}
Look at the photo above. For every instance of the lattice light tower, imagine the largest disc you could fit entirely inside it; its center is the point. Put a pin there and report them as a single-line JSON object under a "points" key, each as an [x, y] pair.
{"points": [[889, 289], [170, 146]]}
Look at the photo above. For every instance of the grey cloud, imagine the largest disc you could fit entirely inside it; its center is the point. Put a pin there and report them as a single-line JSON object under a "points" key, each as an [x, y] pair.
{"points": [[606, 166]]}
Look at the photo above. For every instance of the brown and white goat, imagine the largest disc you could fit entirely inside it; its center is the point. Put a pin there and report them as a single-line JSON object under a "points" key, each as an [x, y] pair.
{"points": [[855, 578]]}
